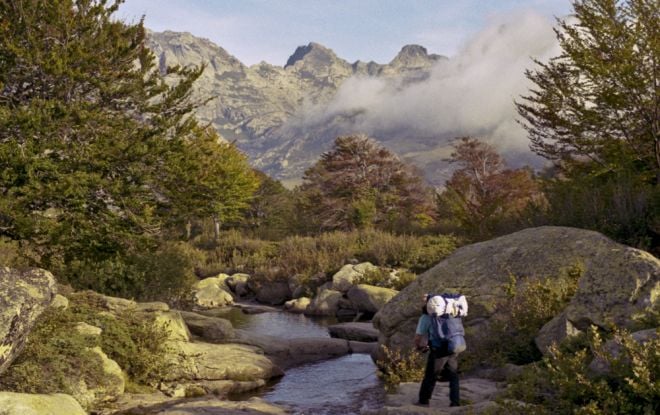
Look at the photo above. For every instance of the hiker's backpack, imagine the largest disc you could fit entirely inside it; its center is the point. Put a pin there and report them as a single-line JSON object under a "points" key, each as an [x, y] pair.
{"points": [[446, 311]]}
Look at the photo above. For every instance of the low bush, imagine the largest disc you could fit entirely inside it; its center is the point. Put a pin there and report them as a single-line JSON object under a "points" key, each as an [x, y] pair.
{"points": [[56, 354], [563, 383], [525, 306], [397, 367], [381, 277], [165, 273], [327, 252]]}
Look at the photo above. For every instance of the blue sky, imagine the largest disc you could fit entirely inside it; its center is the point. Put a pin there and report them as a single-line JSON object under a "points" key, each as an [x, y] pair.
{"points": [[270, 30]]}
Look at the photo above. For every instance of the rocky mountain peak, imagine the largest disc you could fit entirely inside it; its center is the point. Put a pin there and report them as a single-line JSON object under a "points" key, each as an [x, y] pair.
{"points": [[313, 52], [414, 56]]}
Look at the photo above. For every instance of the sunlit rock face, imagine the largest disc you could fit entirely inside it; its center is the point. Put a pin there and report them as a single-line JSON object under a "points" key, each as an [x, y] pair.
{"points": [[283, 117], [618, 283], [24, 295]]}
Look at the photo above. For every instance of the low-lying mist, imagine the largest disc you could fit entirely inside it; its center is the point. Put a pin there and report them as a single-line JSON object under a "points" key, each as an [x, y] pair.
{"points": [[472, 93]]}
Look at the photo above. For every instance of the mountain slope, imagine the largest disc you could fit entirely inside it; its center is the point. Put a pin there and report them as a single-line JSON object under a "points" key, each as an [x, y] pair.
{"points": [[282, 117]]}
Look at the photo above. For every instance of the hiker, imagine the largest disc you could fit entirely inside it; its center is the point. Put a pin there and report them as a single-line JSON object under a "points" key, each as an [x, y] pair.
{"points": [[441, 359]]}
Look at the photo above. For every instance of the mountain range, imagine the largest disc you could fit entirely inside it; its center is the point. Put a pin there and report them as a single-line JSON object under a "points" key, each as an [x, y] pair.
{"points": [[283, 118]]}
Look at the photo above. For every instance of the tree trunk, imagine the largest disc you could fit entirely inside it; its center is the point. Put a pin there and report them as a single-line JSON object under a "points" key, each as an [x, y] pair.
{"points": [[188, 230], [216, 227]]}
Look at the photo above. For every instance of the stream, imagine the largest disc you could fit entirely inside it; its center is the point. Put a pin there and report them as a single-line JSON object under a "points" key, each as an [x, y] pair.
{"points": [[344, 385]]}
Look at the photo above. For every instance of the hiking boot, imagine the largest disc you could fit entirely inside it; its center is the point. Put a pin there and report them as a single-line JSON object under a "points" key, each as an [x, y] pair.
{"points": [[422, 403]]}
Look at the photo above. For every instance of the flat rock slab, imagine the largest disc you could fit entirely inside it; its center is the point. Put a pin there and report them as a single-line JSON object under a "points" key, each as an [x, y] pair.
{"points": [[157, 404], [478, 395], [287, 353], [34, 404], [211, 329], [206, 361], [362, 332]]}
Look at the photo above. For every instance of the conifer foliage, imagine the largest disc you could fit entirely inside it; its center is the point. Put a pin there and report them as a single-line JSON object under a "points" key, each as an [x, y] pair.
{"points": [[599, 100], [93, 139]]}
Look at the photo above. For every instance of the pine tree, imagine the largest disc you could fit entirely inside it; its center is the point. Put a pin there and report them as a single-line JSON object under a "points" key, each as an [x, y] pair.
{"points": [[93, 137], [599, 100]]}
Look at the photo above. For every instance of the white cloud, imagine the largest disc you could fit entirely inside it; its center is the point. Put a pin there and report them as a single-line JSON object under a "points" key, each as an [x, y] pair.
{"points": [[471, 94]]}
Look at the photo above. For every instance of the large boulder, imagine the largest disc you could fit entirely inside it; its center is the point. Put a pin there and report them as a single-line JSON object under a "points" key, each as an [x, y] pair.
{"points": [[33, 404], [212, 292], [287, 353], [344, 279], [238, 283], [326, 303], [617, 284], [24, 295], [369, 298], [206, 361]]}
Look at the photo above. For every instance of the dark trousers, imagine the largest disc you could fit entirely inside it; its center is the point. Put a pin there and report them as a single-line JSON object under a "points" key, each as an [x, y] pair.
{"points": [[438, 361]]}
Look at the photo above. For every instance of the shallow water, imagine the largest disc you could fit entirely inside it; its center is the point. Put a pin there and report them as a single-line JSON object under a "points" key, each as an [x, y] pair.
{"points": [[337, 386], [280, 324]]}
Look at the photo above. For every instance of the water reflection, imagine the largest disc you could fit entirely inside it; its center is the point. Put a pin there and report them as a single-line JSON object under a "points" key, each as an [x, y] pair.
{"points": [[338, 386], [279, 324]]}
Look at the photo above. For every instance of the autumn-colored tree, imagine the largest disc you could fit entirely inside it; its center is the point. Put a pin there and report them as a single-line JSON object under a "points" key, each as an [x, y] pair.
{"points": [[483, 193], [359, 183]]}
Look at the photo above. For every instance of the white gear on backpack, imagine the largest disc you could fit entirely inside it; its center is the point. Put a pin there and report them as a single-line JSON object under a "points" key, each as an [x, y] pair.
{"points": [[450, 304]]}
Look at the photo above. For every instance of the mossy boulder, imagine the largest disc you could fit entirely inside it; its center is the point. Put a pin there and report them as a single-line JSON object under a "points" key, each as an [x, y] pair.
{"points": [[617, 284], [369, 298], [38, 404], [212, 292], [206, 361], [326, 303], [358, 331], [106, 388], [273, 292], [24, 295], [344, 278], [238, 283]]}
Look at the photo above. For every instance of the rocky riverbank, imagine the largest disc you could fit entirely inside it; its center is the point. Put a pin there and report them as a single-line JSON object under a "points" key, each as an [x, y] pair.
{"points": [[208, 358]]}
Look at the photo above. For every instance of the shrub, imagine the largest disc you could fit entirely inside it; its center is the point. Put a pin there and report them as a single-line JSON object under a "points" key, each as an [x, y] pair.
{"points": [[165, 273], [397, 367], [525, 307], [324, 253], [131, 339], [563, 383], [56, 353], [380, 277]]}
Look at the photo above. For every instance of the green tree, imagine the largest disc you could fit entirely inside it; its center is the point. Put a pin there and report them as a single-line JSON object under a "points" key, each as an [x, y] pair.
{"points": [[90, 137], [271, 214], [594, 111], [599, 100], [360, 184], [483, 194]]}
